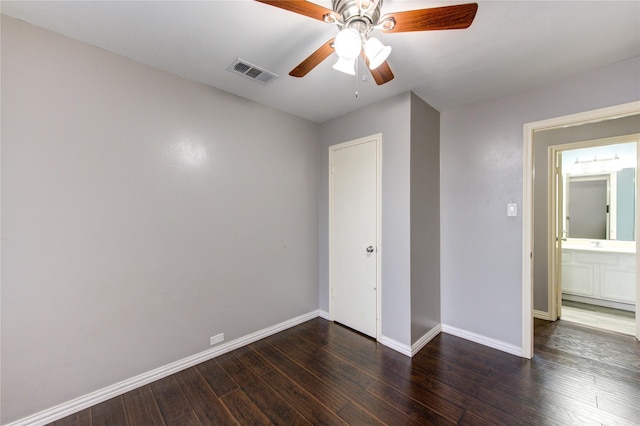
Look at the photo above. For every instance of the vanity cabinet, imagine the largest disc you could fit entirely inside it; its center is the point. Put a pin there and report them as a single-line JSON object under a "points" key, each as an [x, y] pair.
{"points": [[599, 275]]}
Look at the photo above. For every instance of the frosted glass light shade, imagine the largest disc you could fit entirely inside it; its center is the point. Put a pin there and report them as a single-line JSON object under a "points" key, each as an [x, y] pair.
{"points": [[376, 52], [347, 66], [348, 43]]}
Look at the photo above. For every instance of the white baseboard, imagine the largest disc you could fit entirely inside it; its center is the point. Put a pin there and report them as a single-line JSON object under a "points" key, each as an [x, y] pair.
{"points": [[483, 340], [407, 350], [541, 315], [395, 345], [421, 342], [70, 407], [323, 314]]}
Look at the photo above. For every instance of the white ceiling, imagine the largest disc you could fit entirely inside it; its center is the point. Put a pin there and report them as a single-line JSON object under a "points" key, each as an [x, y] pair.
{"points": [[511, 46]]}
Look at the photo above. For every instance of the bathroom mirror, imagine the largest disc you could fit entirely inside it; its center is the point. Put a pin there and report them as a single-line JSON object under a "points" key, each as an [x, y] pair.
{"points": [[588, 207], [599, 192]]}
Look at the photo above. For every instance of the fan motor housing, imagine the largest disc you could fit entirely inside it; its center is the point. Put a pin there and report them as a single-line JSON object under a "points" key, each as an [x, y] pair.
{"points": [[349, 10]]}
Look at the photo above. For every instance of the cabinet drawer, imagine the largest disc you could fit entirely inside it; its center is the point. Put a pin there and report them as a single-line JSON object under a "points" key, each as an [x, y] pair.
{"points": [[596, 258]]}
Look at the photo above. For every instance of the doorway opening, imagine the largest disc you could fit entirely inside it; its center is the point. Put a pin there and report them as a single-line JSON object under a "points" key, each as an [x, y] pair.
{"points": [[592, 222], [529, 129]]}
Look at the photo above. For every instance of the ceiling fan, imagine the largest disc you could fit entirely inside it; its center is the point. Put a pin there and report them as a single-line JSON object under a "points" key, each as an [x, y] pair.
{"points": [[357, 19]]}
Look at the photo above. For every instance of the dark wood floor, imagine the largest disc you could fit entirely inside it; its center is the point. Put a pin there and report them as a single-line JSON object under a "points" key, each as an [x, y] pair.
{"points": [[322, 373]]}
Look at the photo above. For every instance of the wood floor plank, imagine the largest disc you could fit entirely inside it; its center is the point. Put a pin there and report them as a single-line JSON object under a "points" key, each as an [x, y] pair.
{"points": [[216, 377], [538, 411], [441, 350], [141, 407], [171, 401], [363, 351], [339, 374], [188, 419], [110, 412], [621, 409], [405, 404], [545, 369], [551, 389], [577, 364], [438, 397], [380, 409], [328, 396], [206, 405], [293, 345], [303, 401], [243, 409], [325, 365], [458, 378], [253, 360], [494, 415], [443, 399], [353, 415], [276, 409], [470, 419], [619, 389], [607, 350]]}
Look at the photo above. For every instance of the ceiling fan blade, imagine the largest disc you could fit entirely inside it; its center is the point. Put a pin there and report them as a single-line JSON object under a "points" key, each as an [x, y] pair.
{"points": [[301, 7], [382, 74], [437, 18], [313, 60]]}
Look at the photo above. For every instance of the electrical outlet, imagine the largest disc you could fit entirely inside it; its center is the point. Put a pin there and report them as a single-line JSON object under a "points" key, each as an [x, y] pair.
{"points": [[216, 339]]}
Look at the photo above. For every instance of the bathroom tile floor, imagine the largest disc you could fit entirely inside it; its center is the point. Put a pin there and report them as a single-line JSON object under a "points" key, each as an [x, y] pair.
{"points": [[599, 317]]}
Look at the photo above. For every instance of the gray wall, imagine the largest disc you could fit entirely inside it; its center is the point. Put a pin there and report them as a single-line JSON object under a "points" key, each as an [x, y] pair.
{"points": [[481, 171], [391, 118], [425, 218], [142, 214], [541, 142]]}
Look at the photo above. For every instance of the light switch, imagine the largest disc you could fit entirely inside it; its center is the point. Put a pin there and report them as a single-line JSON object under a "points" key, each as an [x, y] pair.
{"points": [[512, 209]]}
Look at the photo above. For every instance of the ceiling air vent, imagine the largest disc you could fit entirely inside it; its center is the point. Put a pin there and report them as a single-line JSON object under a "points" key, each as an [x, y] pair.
{"points": [[253, 72]]}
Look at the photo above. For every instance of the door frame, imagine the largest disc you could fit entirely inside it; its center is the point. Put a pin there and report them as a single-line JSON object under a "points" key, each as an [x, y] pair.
{"points": [[377, 138], [555, 189], [617, 111], [554, 283]]}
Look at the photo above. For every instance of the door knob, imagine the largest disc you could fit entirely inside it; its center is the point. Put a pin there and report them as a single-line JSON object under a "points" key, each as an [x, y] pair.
{"points": [[370, 249]]}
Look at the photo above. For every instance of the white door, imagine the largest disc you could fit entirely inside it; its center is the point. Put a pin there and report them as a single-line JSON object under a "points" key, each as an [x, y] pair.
{"points": [[353, 233]]}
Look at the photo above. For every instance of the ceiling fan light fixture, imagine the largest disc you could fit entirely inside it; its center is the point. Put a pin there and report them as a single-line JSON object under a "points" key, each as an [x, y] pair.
{"points": [[348, 44], [347, 66], [376, 52]]}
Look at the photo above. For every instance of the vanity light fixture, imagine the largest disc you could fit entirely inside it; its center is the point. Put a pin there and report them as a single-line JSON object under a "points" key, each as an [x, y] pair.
{"points": [[595, 165]]}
